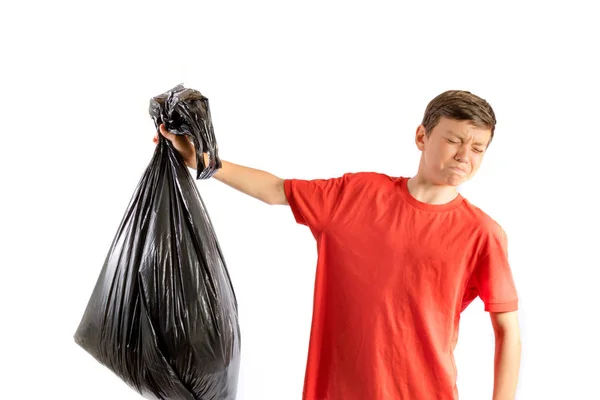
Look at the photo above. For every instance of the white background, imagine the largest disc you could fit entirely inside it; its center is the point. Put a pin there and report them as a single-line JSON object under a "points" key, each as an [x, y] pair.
{"points": [[303, 90]]}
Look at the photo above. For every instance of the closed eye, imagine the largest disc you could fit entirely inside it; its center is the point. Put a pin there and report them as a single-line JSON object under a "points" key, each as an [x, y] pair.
{"points": [[452, 141], [478, 150]]}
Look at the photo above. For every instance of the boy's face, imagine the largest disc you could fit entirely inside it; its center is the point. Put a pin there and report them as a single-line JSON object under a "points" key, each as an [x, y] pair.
{"points": [[453, 152]]}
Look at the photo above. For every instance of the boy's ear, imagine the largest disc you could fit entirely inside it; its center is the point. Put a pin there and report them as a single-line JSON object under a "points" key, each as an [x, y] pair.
{"points": [[420, 137]]}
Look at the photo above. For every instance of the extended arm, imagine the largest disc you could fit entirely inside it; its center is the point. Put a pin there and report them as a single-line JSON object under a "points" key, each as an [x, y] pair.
{"points": [[256, 183], [259, 184]]}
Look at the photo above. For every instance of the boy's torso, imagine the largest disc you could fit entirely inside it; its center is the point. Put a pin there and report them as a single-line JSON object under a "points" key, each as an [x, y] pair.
{"points": [[390, 287]]}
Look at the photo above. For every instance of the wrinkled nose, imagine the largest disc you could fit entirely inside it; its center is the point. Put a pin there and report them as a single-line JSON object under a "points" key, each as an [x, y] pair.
{"points": [[461, 154]]}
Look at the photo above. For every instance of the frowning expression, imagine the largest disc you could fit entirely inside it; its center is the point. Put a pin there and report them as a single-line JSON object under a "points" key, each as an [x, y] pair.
{"points": [[453, 151]]}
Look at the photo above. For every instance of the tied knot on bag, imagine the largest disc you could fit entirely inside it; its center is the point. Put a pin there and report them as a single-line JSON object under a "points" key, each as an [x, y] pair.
{"points": [[186, 111]]}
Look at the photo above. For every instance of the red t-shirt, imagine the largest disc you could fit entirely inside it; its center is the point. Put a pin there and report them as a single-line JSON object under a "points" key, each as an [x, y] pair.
{"points": [[393, 276]]}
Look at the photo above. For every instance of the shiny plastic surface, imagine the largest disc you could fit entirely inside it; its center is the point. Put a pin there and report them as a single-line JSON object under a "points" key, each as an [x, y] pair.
{"points": [[163, 314]]}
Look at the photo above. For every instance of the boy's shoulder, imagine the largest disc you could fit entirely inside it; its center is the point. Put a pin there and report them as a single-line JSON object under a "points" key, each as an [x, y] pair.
{"points": [[370, 176], [366, 175], [483, 220]]}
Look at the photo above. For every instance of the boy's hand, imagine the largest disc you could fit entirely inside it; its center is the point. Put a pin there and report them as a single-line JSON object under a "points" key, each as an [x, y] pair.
{"points": [[182, 144]]}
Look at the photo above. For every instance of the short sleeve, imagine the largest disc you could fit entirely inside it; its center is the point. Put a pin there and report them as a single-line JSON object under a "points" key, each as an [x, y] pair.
{"points": [[314, 202], [493, 279]]}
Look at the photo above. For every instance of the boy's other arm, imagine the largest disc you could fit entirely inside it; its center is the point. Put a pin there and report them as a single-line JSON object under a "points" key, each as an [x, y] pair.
{"points": [[261, 185], [507, 354]]}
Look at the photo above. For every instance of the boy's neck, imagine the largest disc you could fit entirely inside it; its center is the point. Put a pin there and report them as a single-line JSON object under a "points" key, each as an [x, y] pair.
{"points": [[427, 192]]}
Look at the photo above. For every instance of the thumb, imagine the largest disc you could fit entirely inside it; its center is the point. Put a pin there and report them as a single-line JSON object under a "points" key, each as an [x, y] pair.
{"points": [[165, 132]]}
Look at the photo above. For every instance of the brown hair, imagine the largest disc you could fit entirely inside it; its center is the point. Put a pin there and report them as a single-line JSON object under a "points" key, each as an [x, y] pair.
{"points": [[462, 106]]}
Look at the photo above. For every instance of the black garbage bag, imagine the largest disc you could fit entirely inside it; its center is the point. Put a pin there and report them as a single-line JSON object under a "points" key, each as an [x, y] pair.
{"points": [[163, 314]]}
